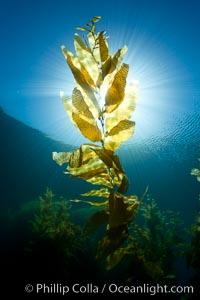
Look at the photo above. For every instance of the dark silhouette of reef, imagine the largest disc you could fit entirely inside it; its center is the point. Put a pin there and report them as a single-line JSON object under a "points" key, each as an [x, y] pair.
{"points": [[25, 162]]}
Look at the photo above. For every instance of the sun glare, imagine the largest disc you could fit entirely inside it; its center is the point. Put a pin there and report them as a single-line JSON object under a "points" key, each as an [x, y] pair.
{"points": [[61, 94]]}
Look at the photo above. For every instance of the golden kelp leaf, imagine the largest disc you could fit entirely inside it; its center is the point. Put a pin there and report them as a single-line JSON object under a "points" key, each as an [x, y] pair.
{"points": [[82, 28], [95, 19], [105, 155], [125, 109], [116, 176], [93, 43], [121, 126], [81, 76], [101, 180], [129, 199], [117, 59], [79, 103], [98, 193], [90, 131], [86, 57], [94, 171], [97, 204], [106, 66], [67, 102], [113, 164], [124, 185], [118, 164], [92, 38], [119, 134], [118, 212], [87, 152], [83, 155], [116, 92], [132, 204], [110, 67], [103, 47], [91, 105], [79, 157], [96, 220], [61, 157], [75, 160], [90, 167], [132, 211], [90, 173], [80, 45]]}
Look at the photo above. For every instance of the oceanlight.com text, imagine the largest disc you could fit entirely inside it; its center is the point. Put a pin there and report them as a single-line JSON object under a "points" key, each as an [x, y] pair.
{"points": [[111, 288]]}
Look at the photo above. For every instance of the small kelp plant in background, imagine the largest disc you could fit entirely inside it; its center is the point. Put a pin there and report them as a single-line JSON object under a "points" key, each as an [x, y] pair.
{"points": [[101, 107], [196, 172], [192, 254], [52, 225], [157, 240]]}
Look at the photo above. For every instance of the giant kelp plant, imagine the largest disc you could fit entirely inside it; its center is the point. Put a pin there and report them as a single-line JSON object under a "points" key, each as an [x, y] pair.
{"points": [[101, 107]]}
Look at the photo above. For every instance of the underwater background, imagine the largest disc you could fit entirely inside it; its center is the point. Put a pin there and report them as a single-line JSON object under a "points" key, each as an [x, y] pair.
{"points": [[35, 255], [43, 237]]}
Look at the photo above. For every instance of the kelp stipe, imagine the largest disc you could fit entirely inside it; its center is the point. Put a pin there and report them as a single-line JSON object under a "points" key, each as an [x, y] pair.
{"points": [[101, 107]]}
